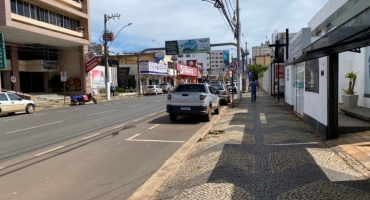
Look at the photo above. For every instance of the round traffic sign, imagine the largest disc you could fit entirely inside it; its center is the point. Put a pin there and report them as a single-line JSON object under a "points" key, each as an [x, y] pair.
{"points": [[233, 66], [13, 79]]}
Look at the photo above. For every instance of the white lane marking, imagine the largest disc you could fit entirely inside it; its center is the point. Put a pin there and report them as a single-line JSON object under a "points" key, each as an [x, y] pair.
{"points": [[263, 118], [33, 127], [101, 112], [11, 119], [48, 151], [133, 137], [154, 126], [38, 115], [137, 119], [88, 137], [138, 140], [303, 143], [136, 105], [119, 126], [159, 100]]}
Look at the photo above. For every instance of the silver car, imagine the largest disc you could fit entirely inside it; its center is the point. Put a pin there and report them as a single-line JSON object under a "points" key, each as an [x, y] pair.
{"points": [[153, 89], [223, 94], [11, 103]]}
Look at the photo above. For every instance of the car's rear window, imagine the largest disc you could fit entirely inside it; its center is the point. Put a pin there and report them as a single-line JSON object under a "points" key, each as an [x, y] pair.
{"points": [[218, 87], [190, 88], [150, 86]]}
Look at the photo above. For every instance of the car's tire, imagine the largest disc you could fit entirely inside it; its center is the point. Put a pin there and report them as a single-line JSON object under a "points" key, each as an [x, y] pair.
{"points": [[217, 110], [207, 117], [30, 109], [228, 101], [11, 113], [173, 117]]}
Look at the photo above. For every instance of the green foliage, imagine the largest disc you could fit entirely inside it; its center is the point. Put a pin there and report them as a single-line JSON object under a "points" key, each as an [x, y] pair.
{"points": [[55, 83], [351, 85], [118, 89], [131, 81], [258, 70]]}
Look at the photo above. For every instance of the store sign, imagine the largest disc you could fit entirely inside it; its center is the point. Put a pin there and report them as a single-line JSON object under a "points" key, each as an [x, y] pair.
{"points": [[191, 63], [149, 67], [176, 47], [279, 71], [186, 70], [158, 56], [91, 64], [50, 65], [3, 63], [300, 41]]}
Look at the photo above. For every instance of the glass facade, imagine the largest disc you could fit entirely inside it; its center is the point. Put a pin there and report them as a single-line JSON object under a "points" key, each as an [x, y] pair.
{"points": [[35, 12], [312, 76]]}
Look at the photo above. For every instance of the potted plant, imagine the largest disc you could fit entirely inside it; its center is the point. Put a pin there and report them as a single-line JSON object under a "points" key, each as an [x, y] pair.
{"points": [[349, 98]]}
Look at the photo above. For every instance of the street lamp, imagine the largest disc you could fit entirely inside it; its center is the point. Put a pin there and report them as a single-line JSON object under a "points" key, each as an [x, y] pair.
{"points": [[174, 59]]}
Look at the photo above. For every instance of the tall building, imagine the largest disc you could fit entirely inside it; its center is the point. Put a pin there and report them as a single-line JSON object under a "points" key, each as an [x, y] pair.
{"points": [[43, 38], [262, 50]]}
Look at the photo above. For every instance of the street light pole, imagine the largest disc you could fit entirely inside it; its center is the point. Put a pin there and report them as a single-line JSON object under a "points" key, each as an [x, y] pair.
{"points": [[238, 48]]}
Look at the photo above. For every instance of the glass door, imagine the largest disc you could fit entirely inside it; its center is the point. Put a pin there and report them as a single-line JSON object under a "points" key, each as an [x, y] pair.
{"points": [[298, 86]]}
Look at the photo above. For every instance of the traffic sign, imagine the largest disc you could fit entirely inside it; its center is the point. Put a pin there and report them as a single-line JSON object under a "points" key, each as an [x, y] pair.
{"points": [[13, 79], [233, 66], [63, 76]]}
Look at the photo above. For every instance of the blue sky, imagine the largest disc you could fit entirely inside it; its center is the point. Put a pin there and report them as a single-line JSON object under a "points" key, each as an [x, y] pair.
{"points": [[154, 22]]}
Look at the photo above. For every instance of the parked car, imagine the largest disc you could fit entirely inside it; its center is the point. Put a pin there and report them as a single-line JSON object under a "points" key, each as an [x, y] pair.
{"points": [[232, 87], [190, 45], [153, 89], [224, 93], [193, 99], [281, 90], [11, 103], [166, 87]]}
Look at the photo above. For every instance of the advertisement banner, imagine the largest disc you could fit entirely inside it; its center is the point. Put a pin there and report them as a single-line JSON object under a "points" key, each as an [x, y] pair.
{"points": [[279, 71], [201, 45], [148, 67], [186, 70], [226, 59], [98, 78], [3, 63]]}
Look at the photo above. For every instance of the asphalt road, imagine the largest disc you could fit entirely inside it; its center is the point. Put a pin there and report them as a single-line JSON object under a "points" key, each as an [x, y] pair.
{"points": [[134, 143]]}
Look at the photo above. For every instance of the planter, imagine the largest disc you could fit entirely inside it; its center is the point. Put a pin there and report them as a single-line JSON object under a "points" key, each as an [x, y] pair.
{"points": [[350, 101]]}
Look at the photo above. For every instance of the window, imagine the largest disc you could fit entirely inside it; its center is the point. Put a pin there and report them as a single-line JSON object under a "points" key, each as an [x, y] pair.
{"points": [[20, 8], [220, 53], [47, 16], [312, 76], [26, 9], [13, 6], [42, 14], [187, 55], [33, 12], [3, 97], [221, 61], [13, 97]]}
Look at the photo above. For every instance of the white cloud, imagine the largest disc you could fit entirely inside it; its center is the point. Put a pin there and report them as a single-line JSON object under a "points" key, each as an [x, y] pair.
{"points": [[154, 22]]}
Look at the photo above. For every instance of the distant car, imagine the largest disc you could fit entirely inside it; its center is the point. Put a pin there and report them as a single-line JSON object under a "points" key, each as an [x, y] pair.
{"points": [[190, 45], [166, 87], [232, 87], [153, 89], [223, 94], [11, 103], [281, 90]]}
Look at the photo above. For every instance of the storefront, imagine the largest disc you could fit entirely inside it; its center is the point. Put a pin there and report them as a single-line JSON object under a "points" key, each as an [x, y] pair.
{"points": [[152, 73], [186, 74]]}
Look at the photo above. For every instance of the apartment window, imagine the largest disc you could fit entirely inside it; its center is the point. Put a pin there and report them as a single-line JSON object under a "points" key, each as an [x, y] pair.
{"points": [[66, 23], [13, 6], [42, 14], [20, 8], [180, 56], [318, 32], [33, 12], [221, 61], [187, 55], [220, 53], [26, 9]]}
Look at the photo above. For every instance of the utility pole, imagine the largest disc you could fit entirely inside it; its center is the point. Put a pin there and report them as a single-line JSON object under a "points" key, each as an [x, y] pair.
{"points": [[239, 88], [106, 52]]}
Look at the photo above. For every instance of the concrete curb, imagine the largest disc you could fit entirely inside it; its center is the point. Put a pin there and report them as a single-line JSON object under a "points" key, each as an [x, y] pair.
{"points": [[152, 187]]}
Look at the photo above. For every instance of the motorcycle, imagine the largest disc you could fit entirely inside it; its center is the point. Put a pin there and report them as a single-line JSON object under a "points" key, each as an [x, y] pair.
{"points": [[82, 99]]}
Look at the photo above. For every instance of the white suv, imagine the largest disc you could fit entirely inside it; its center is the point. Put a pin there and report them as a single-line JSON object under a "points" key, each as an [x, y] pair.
{"points": [[11, 103], [166, 87]]}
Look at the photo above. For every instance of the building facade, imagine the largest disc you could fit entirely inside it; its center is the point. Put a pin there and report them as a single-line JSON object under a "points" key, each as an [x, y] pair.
{"points": [[262, 50], [43, 38]]}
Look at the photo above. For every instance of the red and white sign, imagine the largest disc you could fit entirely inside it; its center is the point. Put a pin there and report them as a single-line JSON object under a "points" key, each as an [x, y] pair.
{"points": [[13, 79], [186, 70], [233, 66], [191, 63], [91, 64], [279, 71], [63, 76]]}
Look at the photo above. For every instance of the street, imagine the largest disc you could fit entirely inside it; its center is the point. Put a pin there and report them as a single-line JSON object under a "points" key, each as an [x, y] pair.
{"points": [[102, 151]]}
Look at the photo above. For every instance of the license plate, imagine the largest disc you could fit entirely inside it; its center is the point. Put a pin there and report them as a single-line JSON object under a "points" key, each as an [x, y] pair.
{"points": [[185, 108]]}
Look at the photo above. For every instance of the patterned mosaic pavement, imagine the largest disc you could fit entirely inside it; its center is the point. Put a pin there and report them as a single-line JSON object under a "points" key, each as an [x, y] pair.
{"points": [[266, 153]]}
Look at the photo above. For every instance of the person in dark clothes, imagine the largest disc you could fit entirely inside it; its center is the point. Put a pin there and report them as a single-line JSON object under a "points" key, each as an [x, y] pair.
{"points": [[253, 88]]}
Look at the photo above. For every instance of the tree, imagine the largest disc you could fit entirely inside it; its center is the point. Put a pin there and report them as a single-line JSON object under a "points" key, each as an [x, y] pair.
{"points": [[258, 70]]}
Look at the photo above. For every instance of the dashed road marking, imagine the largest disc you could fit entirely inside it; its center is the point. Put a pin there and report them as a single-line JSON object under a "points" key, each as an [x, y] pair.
{"points": [[119, 126], [38, 115], [101, 112], [33, 127], [88, 137], [263, 118], [137, 105], [48, 151], [137, 119], [154, 126], [11, 119], [139, 140]]}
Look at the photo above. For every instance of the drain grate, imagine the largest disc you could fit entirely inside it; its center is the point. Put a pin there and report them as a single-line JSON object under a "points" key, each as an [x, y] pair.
{"points": [[216, 132]]}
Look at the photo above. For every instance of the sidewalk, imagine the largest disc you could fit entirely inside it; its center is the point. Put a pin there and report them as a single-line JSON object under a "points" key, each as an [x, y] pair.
{"points": [[267, 152]]}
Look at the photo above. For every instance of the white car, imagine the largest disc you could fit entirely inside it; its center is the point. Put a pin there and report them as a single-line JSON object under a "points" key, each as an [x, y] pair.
{"points": [[11, 103], [153, 89]]}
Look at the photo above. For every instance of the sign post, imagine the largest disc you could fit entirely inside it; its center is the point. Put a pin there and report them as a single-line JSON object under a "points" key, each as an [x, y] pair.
{"points": [[13, 79], [232, 67], [63, 77]]}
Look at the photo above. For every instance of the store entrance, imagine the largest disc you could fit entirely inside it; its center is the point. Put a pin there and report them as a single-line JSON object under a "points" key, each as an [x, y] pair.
{"points": [[31, 82]]}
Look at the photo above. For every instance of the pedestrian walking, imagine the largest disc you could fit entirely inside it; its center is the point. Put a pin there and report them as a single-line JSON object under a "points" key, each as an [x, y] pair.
{"points": [[253, 88], [112, 89]]}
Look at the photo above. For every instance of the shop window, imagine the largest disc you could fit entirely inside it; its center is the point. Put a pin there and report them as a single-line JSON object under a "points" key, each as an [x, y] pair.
{"points": [[312, 76]]}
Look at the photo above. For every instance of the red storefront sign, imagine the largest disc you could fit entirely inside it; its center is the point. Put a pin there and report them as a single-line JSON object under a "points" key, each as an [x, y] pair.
{"points": [[186, 70], [91, 64], [279, 71]]}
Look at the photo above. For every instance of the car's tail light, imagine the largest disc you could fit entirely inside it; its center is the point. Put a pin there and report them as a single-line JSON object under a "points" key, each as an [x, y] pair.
{"points": [[224, 93], [169, 97], [202, 97]]}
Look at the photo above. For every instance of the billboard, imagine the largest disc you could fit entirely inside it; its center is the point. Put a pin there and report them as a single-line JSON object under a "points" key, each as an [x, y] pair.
{"points": [[226, 59], [3, 63], [176, 47], [148, 67]]}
